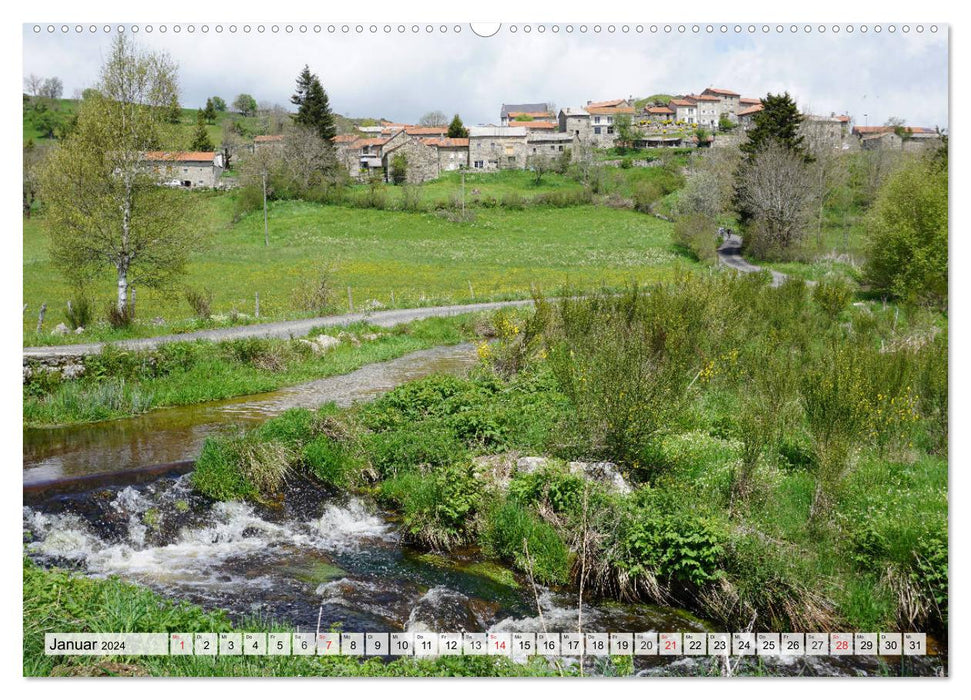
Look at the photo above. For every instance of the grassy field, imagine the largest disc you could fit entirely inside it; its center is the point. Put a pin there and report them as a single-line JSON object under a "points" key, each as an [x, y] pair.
{"points": [[420, 258]]}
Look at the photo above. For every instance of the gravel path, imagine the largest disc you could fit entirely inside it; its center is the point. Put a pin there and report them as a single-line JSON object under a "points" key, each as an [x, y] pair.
{"points": [[277, 329], [730, 254]]}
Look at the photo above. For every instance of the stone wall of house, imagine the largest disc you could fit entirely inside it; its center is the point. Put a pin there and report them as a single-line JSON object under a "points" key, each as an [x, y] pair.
{"points": [[422, 161], [497, 152], [198, 174], [450, 159]]}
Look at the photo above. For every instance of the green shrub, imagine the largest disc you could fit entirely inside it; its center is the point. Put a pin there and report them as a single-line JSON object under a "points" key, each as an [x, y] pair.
{"points": [[437, 505], [557, 488], [930, 573], [79, 313], [677, 548], [403, 450], [200, 301], [907, 235], [513, 533], [832, 296], [698, 234]]}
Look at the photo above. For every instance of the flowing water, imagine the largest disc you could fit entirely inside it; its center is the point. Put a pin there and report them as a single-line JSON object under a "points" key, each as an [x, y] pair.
{"points": [[177, 433], [320, 558]]}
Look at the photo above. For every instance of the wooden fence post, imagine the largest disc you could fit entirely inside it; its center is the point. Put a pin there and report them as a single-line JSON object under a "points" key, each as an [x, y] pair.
{"points": [[40, 317], [257, 305], [350, 300]]}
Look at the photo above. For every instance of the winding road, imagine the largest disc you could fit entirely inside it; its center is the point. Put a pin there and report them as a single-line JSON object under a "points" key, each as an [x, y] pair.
{"points": [[276, 329], [730, 255]]}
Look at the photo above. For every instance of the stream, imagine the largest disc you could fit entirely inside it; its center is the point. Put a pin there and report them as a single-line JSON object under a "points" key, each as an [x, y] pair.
{"points": [[321, 558]]}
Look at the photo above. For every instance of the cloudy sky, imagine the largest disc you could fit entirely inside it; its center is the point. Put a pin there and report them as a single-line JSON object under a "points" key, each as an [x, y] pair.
{"points": [[402, 76]]}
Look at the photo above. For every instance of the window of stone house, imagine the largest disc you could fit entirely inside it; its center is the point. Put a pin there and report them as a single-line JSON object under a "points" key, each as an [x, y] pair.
{"points": [[610, 129], [479, 164], [596, 129], [561, 148], [596, 120]]}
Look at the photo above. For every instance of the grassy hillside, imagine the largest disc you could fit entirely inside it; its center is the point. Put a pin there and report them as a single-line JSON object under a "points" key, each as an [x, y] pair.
{"points": [[64, 110]]}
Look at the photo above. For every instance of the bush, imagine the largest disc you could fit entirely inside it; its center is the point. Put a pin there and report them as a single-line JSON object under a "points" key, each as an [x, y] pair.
{"points": [[561, 491], [513, 533], [437, 506], [513, 200], [201, 302], [907, 240], [119, 318], [316, 293], [398, 451], [832, 295], [79, 313], [698, 234], [678, 548]]}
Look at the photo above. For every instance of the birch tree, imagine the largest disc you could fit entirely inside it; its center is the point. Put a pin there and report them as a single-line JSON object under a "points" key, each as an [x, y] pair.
{"points": [[105, 208]]}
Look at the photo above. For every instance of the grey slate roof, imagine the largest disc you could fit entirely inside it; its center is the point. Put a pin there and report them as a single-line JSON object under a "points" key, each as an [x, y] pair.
{"points": [[529, 107]]}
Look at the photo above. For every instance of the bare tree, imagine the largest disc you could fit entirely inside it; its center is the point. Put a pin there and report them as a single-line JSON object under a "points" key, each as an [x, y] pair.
{"points": [[709, 185], [777, 193], [539, 164], [828, 169], [434, 118], [52, 88], [231, 143], [33, 83]]}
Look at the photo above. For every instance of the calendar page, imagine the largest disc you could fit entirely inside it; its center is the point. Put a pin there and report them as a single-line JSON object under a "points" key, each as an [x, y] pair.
{"points": [[562, 349]]}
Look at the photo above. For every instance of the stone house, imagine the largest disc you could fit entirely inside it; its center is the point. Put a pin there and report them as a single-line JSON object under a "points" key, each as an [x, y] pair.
{"points": [[420, 158], [708, 107], [910, 138], [603, 116], [576, 122], [746, 117], [426, 158], [188, 169], [497, 147], [826, 132], [361, 156], [549, 144], [685, 111], [453, 154], [533, 110], [729, 101], [655, 117]]}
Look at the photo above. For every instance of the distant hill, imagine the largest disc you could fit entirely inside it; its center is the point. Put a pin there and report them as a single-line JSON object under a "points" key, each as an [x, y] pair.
{"points": [[43, 116]]}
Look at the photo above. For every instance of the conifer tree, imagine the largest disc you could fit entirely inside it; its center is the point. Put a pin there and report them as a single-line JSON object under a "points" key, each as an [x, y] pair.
{"points": [[200, 139], [313, 106], [778, 122], [457, 130]]}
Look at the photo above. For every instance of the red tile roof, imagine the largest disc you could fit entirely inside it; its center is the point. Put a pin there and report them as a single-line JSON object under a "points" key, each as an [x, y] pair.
{"points": [[751, 110], [681, 103], [345, 138], [610, 110], [370, 142], [888, 129], [538, 125], [660, 110], [606, 103], [426, 130], [719, 91], [446, 143], [181, 156], [268, 138], [749, 101], [843, 118], [702, 98]]}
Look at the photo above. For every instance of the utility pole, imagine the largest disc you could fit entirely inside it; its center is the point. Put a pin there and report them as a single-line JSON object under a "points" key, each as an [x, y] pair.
{"points": [[266, 229]]}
